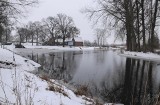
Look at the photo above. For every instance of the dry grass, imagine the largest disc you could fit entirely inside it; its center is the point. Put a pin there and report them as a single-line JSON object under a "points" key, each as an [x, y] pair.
{"points": [[45, 77], [82, 90], [97, 102], [57, 89], [54, 87]]}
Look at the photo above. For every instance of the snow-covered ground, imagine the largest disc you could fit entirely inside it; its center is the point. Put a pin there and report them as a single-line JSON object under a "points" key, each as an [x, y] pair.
{"points": [[140, 55], [18, 85], [59, 48], [28, 45]]}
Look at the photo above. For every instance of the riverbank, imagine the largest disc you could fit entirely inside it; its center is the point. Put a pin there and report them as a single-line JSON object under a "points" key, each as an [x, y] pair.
{"points": [[19, 86], [46, 82], [72, 48], [140, 55]]}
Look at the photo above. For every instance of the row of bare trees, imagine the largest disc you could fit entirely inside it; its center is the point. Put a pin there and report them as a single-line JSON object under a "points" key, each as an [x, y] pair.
{"points": [[101, 35], [136, 20], [48, 30]]}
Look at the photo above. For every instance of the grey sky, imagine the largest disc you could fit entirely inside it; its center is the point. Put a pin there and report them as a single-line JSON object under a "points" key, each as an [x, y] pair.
{"points": [[69, 7]]}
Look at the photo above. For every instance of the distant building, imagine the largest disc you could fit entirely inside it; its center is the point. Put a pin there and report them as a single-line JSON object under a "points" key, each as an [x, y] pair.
{"points": [[77, 41]]}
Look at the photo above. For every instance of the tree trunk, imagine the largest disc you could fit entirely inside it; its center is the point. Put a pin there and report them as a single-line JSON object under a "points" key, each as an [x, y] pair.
{"points": [[53, 39], [32, 39], [133, 36], [37, 41], [63, 40], [128, 34], [153, 25], [1, 32], [143, 26], [26, 39], [20, 39], [138, 26], [6, 36]]}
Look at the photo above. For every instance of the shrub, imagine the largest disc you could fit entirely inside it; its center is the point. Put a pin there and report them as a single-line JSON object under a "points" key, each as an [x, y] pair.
{"points": [[45, 77], [57, 89], [19, 46], [82, 90]]}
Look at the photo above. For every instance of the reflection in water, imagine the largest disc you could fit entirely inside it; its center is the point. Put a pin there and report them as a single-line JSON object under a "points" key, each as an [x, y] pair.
{"points": [[138, 83], [57, 65], [109, 76]]}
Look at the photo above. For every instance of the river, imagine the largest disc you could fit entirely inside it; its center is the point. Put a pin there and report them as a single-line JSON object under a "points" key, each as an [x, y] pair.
{"points": [[106, 74]]}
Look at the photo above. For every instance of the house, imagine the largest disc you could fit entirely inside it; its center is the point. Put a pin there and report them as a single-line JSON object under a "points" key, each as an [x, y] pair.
{"points": [[77, 41]]}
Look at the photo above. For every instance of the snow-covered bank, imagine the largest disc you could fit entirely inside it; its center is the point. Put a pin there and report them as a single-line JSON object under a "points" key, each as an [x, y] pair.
{"points": [[66, 48], [18, 86], [59, 48], [140, 55]]}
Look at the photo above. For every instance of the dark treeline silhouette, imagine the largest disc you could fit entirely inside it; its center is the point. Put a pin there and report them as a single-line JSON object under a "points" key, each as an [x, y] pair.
{"points": [[137, 87]]}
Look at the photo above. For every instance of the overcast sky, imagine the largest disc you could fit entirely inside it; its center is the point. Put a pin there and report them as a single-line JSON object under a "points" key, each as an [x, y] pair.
{"points": [[69, 7]]}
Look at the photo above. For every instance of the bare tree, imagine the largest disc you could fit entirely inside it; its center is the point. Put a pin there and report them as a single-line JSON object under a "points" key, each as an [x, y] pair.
{"points": [[31, 31], [15, 8], [51, 26], [7, 33], [64, 22], [136, 19], [100, 36], [50, 29], [73, 32], [21, 33], [37, 29], [11, 10]]}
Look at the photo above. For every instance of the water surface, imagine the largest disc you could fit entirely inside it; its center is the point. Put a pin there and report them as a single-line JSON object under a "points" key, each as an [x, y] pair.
{"points": [[109, 76]]}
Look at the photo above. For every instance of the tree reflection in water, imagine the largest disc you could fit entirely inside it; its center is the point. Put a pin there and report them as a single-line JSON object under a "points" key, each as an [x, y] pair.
{"points": [[57, 65], [137, 88]]}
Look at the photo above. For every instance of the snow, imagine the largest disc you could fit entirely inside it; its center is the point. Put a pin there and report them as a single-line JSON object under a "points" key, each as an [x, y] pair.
{"points": [[18, 85], [66, 48], [140, 55]]}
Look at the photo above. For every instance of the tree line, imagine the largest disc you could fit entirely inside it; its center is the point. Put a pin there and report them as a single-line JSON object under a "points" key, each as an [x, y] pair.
{"points": [[46, 31], [136, 20], [10, 11], [49, 30]]}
